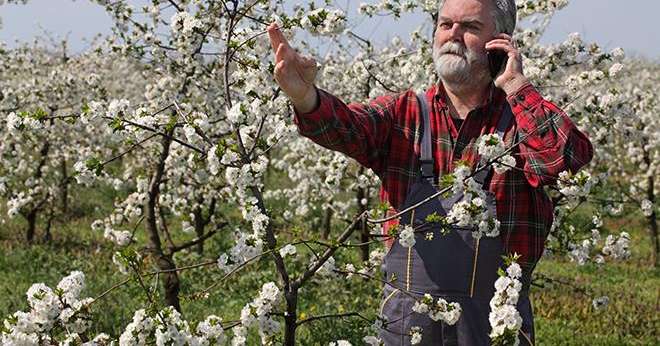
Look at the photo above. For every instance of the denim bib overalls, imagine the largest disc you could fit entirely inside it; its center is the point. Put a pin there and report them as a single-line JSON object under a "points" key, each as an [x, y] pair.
{"points": [[444, 263]]}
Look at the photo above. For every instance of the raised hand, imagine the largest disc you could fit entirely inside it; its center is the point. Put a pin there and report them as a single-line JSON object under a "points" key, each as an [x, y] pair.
{"points": [[293, 72], [511, 79]]}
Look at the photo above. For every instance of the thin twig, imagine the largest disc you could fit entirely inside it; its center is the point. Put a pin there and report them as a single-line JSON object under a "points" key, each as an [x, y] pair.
{"points": [[319, 317]]}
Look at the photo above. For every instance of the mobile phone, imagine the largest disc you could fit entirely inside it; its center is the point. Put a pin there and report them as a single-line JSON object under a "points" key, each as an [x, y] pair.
{"points": [[496, 59]]}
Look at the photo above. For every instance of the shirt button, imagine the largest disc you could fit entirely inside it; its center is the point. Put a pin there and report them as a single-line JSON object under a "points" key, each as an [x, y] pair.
{"points": [[521, 97]]}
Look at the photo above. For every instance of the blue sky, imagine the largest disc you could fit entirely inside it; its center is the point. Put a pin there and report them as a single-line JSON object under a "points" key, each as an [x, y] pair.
{"points": [[611, 23]]}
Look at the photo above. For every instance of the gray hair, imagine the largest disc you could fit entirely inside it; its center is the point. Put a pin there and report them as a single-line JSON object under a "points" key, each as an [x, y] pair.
{"points": [[504, 14]]}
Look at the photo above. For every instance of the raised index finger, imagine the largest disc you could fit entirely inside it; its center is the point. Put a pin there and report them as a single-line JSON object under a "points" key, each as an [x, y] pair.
{"points": [[276, 36]]}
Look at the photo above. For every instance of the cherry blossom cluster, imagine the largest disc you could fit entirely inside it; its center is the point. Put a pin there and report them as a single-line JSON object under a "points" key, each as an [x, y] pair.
{"points": [[52, 312], [166, 327], [504, 318], [179, 114], [440, 310], [474, 210]]}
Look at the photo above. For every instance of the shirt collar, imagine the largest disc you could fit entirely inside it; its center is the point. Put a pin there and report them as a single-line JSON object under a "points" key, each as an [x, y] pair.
{"points": [[495, 97]]}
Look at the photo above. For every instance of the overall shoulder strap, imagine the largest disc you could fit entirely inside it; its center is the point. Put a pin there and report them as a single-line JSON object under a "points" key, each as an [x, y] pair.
{"points": [[426, 161], [505, 119]]}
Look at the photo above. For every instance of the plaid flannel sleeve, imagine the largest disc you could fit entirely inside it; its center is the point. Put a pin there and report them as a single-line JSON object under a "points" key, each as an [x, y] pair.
{"points": [[360, 131], [553, 143]]}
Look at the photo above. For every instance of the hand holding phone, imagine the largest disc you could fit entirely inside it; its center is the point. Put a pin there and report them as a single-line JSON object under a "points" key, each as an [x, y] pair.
{"points": [[505, 64], [497, 59]]}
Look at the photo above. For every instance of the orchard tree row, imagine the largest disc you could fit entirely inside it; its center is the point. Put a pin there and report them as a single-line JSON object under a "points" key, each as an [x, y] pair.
{"points": [[179, 113]]}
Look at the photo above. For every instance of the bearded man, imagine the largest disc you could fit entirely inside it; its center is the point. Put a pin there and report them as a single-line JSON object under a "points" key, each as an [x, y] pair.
{"points": [[389, 136]]}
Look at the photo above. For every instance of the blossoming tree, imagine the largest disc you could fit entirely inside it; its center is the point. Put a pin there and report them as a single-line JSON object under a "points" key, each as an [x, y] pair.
{"points": [[203, 126]]}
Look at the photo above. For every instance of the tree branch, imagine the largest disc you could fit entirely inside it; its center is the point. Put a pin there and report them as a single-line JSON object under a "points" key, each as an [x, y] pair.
{"points": [[195, 241], [347, 314]]}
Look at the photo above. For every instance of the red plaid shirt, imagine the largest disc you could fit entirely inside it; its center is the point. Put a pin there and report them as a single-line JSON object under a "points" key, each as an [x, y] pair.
{"points": [[385, 136]]}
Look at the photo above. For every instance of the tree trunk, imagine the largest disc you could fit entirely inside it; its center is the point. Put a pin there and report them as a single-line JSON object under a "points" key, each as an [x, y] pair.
{"points": [[199, 229], [65, 187], [47, 235], [31, 219], [201, 222], [653, 232], [290, 318], [652, 219], [327, 224], [164, 262], [31, 216]]}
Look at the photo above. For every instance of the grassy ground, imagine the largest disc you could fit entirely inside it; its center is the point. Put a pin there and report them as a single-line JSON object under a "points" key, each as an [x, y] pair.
{"points": [[564, 315]]}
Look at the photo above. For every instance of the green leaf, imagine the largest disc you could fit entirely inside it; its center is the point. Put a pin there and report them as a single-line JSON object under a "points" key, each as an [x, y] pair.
{"points": [[116, 125], [447, 180], [170, 124], [94, 165], [434, 218], [393, 231], [39, 114], [501, 272]]}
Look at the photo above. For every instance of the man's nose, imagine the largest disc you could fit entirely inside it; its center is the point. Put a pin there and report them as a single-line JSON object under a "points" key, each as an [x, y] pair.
{"points": [[456, 33]]}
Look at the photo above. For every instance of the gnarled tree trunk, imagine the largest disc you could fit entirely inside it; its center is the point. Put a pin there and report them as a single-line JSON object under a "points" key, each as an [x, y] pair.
{"points": [[170, 278], [652, 220]]}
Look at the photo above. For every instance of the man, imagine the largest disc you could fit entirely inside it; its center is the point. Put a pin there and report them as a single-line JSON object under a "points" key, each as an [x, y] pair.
{"points": [[384, 135]]}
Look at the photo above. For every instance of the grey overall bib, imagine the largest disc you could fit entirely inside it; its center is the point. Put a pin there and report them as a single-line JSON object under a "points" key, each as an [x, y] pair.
{"points": [[452, 265]]}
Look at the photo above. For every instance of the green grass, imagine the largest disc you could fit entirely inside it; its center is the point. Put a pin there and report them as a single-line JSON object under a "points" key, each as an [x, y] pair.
{"points": [[563, 316]]}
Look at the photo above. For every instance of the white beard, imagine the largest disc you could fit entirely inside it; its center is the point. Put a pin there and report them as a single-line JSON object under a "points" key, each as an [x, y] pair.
{"points": [[464, 66]]}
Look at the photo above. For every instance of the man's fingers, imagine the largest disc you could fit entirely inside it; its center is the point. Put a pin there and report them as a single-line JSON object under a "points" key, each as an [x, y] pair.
{"points": [[273, 36], [281, 36], [506, 47], [306, 61], [285, 52], [279, 67], [276, 36], [504, 36], [502, 45], [279, 53], [499, 41]]}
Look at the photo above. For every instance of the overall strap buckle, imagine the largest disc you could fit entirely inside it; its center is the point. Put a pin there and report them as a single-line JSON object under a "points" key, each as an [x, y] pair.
{"points": [[426, 169], [426, 159]]}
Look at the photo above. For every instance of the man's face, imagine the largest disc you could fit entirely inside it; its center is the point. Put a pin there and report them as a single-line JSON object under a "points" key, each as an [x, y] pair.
{"points": [[463, 28]]}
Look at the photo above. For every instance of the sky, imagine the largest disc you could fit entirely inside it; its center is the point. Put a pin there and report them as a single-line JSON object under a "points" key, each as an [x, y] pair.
{"points": [[611, 23]]}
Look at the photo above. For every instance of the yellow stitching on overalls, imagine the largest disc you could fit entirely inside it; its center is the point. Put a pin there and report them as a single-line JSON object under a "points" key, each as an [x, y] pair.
{"points": [[409, 264], [474, 267], [382, 306], [408, 269]]}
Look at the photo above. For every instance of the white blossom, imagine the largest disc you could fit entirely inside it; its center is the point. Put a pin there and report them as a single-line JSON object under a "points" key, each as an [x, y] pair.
{"points": [[185, 23], [236, 115], [407, 236], [647, 207], [601, 303], [288, 250], [340, 343], [415, 335], [324, 21], [372, 340], [504, 318], [615, 69], [617, 247]]}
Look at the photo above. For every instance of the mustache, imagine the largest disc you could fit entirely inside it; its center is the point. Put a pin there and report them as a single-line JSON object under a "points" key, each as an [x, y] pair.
{"points": [[453, 48]]}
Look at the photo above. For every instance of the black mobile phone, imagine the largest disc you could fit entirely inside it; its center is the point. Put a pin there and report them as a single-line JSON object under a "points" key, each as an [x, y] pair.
{"points": [[496, 59]]}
